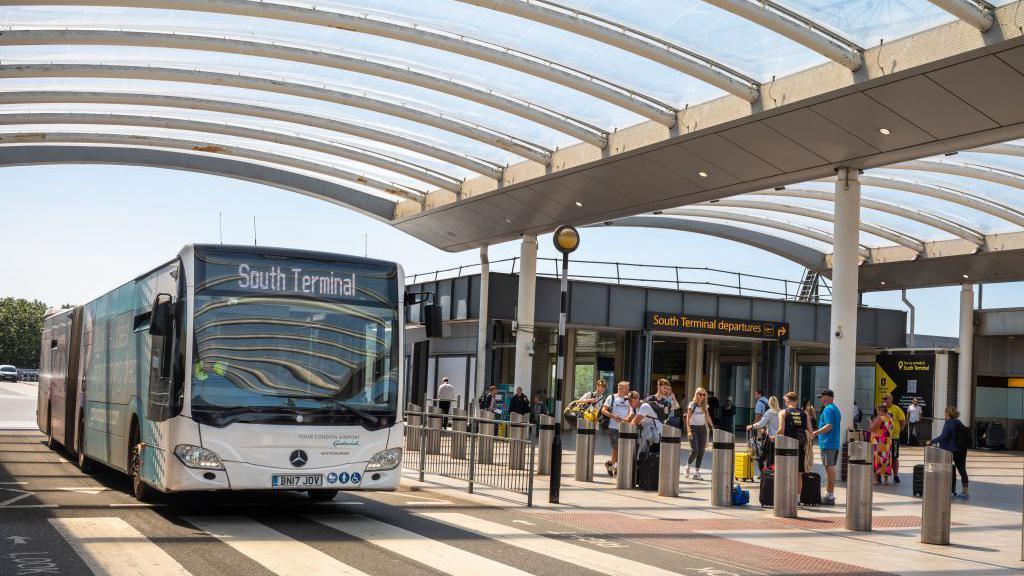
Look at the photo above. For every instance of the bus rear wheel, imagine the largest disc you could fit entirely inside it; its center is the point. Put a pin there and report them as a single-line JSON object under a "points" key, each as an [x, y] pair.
{"points": [[322, 495], [51, 443], [84, 463], [143, 492]]}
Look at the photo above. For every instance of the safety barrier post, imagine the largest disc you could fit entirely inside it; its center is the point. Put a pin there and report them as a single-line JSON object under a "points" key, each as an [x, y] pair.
{"points": [[668, 473], [787, 476], [585, 450], [936, 500], [723, 461], [859, 495], [627, 456], [545, 434]]}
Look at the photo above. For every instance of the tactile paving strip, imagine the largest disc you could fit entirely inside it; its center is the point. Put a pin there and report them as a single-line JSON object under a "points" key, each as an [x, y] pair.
{"points": [[684, 536]]}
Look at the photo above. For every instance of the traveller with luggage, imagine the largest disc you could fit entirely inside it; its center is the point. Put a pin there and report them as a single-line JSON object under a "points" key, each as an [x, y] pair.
{"points": [[899, 420], [664, 402], [881, 443], [829, 442], [698, 425], [616, 409], [794, 424], [647, 417], [956, 438], [766, 427]]}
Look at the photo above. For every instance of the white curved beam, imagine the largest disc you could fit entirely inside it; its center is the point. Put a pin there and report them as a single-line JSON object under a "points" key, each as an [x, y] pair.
{"points": [[948, 194], [928, 219], [804, 255], [811, 233], [319, 57], [967, 170], [378, 208], [974, 13], [208, 147], [1004, 149], [413, 33], [629, 39], [353, 153], [517, 146], [797, 28], [868, 227], [476, 165]]}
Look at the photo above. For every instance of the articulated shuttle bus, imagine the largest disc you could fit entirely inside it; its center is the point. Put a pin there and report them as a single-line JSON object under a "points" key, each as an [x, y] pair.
{"points": [[234, 368]]}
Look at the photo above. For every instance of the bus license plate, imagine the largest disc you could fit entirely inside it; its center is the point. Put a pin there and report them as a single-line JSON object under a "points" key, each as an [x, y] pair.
{"points": [[297, 480]]}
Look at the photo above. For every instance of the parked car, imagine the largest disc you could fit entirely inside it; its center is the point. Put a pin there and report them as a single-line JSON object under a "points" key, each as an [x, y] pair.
{"points": [[8, 373]]}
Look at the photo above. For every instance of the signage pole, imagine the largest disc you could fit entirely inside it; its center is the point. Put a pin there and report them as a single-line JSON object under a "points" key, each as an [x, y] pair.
{"points": [[566, 240]]}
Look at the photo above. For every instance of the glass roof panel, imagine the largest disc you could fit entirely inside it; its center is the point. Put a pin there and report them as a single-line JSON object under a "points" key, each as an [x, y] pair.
{"points": [[867, 22]]}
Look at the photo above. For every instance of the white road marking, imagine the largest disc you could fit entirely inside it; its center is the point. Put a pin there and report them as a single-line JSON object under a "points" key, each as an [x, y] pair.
{"points": [[84, 489], [273, 550], [405, 495], [12, 500], [609, 563], [112, 547], [523, 522], [20, 506], [436, 503], [437, 555], [14, 483]]}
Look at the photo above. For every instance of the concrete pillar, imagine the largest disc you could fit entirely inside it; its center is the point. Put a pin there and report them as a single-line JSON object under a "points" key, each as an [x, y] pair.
{"points": [[482, 334], [524, 312], [842, 357], [694, 365], [965, 366]]}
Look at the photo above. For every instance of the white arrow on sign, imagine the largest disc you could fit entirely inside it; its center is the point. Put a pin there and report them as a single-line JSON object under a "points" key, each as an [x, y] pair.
{"points": [[17, 539]]}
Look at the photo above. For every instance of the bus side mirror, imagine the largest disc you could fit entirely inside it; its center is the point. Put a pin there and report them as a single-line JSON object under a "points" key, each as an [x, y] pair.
{"points": [[162, 315], [432, 320]]}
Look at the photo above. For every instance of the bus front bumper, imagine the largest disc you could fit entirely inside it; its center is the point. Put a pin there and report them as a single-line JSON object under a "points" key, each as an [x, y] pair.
{"points": [[244, 476]]}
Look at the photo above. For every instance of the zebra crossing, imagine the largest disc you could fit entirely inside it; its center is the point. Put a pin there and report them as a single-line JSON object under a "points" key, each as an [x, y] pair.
{"points": [[111, 546]]}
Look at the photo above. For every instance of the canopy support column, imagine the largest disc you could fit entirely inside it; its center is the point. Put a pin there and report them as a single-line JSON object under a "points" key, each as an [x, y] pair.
{"points": [[482, 334], [965, 364], [524, 312], [842, 355]]}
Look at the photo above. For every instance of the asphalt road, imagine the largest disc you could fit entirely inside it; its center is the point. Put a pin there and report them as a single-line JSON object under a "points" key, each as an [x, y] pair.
{"points": [[56, 520]]}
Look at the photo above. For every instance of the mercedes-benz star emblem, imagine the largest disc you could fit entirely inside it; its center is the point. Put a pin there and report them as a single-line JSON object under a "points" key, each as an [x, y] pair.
{"points": [[298, 458]]}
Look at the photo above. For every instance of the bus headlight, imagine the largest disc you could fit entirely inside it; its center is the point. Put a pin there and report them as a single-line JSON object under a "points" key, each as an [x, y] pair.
{"points": [[198, 457], [385, 459]]}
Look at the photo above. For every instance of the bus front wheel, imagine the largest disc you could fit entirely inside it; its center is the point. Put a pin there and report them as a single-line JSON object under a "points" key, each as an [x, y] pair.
{"points": [[322, 495], [143, 492]]}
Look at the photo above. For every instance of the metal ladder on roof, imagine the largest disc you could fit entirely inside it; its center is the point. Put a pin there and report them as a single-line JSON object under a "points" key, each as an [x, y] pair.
{"points": [[809, 286]]}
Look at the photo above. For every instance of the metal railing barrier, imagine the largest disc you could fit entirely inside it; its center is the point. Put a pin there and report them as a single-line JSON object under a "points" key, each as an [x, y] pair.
{"points": [[499, 462]]}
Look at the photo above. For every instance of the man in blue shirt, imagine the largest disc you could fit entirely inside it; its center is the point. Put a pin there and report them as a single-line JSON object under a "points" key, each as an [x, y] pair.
{"points": [[829, 441]]}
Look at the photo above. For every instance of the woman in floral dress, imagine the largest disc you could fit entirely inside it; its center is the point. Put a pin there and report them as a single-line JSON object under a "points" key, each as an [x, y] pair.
{"points": [[881, 442]]}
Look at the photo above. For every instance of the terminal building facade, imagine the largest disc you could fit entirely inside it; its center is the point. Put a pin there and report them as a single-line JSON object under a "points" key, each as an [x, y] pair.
{"points": [[732, 344]]}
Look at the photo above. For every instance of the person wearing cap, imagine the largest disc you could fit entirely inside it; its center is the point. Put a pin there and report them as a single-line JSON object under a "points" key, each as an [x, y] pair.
{"points": [[829, 442]]}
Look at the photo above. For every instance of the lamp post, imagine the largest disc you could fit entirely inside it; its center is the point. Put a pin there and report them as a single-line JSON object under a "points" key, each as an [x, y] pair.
{"points": [[567, 240]]}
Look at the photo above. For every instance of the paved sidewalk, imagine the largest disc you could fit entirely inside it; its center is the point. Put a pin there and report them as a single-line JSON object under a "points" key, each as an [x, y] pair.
{"points": [[986, 535]]}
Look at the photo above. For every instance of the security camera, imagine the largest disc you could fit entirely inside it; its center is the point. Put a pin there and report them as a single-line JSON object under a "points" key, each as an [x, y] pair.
{"points": [[839, 333], [529, 349]]}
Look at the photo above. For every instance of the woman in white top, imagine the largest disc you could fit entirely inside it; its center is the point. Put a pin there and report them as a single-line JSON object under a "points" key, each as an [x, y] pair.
{"points": [[698, 421], [769, 422]]}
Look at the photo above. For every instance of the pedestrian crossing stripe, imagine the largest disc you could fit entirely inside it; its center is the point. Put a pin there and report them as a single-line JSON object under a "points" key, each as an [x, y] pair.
{"points": [[437, 555], [112, 547], [275, 551], [609, 564]]}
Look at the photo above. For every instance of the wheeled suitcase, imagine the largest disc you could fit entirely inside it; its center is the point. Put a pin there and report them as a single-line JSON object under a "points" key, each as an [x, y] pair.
{"points": [[744, 466], [844, 467], [995, 436], [767, 492], [810, 489], [647, 469], [918, 479]]}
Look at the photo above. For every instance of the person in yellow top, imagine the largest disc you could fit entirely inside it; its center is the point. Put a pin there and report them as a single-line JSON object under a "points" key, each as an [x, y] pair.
{"points": [[899, 420]]}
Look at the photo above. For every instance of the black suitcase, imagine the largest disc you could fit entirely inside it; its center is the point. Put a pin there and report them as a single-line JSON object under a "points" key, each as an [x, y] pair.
{"points": [[647, 469], [767, 492], [810, 489], [844, 468], [918, 479], [995, 436]]}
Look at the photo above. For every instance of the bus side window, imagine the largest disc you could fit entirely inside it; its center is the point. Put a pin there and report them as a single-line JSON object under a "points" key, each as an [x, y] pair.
{"points": [[161, 330]]}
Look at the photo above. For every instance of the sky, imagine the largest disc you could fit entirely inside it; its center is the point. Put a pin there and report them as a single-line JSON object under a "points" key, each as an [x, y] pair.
{"points": [[71, 233]]}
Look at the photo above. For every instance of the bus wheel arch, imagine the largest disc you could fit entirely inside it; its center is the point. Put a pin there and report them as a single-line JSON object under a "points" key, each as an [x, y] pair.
{"points": [[84, 463], [51, 443]]}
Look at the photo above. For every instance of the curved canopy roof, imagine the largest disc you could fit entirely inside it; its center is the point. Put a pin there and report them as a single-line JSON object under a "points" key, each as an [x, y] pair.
{"points": [[395, 101]]}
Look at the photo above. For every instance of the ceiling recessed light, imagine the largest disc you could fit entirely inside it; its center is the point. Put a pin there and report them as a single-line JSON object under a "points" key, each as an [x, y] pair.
{"points": [[966, 276], [884, 131], [702, 174], [508, 220], [580, 204], [882, 282]]}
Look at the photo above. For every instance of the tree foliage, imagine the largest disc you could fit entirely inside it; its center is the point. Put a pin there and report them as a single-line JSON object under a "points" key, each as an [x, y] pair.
{"points": [[21, 329]]}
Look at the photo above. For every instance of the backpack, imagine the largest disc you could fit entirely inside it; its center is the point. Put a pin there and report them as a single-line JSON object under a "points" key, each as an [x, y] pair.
{"points": [[963, 436], [484, 401], [740, 497]]}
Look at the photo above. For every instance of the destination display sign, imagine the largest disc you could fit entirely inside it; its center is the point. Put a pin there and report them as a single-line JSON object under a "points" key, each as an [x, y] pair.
{"points": [[714, 326], [252, 275]]}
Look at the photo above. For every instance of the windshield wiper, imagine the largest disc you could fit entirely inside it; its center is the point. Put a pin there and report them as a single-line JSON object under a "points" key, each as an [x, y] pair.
{"points": [[224, 415], [339, 403], [361, 413]]}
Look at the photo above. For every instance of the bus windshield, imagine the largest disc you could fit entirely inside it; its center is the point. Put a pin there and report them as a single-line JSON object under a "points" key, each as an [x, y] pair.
{"points": [[280, 338]]}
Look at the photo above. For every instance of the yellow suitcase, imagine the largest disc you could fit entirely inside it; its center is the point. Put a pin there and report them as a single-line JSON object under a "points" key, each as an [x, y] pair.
{"points": [[744, 466]]}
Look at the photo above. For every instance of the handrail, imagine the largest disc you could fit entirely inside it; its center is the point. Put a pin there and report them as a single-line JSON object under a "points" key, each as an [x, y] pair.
{"points": [[790, 289]]}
